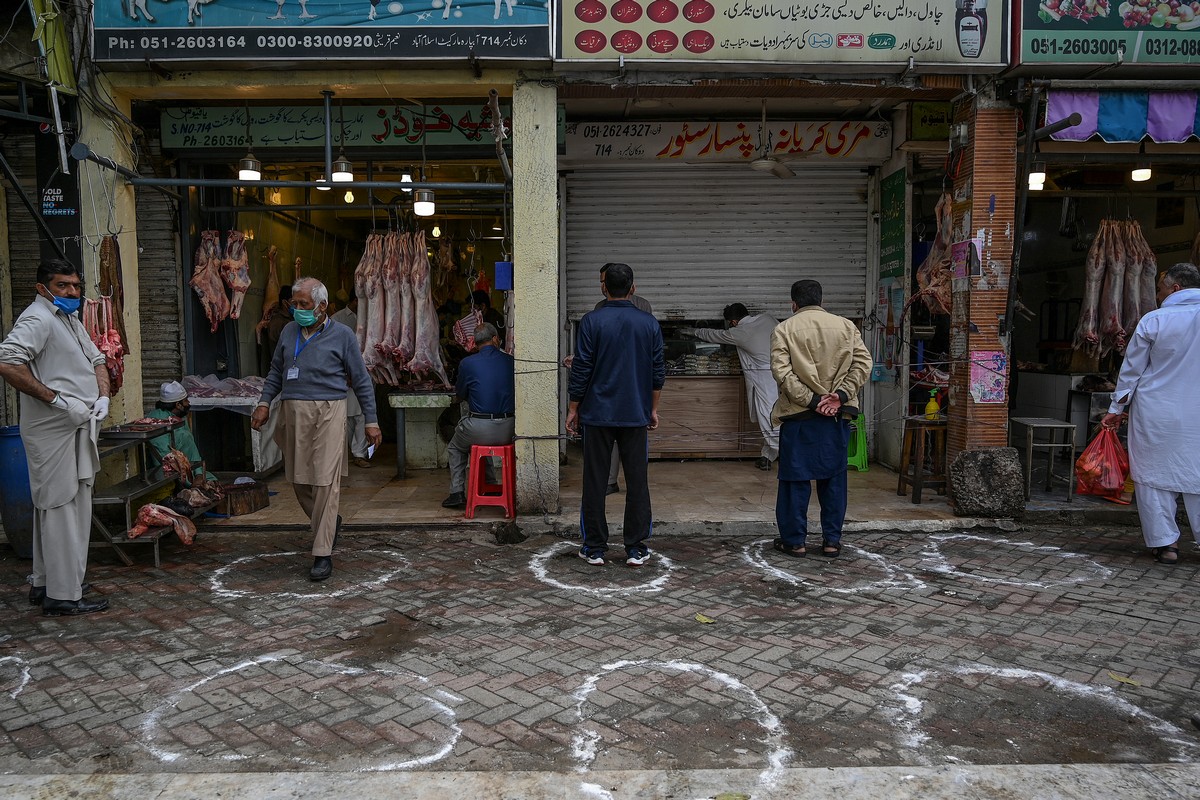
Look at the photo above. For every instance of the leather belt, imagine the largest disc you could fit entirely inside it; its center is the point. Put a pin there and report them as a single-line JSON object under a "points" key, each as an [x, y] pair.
{"points": [[492, 416]]}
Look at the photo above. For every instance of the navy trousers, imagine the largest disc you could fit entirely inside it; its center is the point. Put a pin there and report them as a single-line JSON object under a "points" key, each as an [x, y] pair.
{"points": [[812, 448], [632, 445], [791, 509]]}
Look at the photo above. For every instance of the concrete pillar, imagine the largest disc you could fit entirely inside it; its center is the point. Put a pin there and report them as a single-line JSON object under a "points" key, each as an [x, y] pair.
{"points": [[984, 207], [108, 208], [535, 303]]}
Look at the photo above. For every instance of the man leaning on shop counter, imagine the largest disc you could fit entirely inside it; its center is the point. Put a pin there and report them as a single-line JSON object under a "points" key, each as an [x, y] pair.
{"points": [[314, 363]]}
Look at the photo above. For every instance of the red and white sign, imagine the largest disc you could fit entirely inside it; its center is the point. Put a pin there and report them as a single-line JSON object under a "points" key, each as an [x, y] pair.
{"points": [[850, 40]]}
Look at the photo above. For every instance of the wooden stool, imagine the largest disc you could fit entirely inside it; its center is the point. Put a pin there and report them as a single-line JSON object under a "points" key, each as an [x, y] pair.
{"points": [[918, 431], [482, 493], [1051, 427]]}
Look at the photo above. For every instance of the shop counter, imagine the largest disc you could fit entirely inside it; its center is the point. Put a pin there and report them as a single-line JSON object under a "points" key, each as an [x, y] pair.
{"points": [[121, 440], [266, 454], [704, 416], [417, 441]]}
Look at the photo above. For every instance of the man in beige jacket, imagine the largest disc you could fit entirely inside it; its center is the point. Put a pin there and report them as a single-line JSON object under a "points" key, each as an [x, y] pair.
{"points": [[820, 363]]}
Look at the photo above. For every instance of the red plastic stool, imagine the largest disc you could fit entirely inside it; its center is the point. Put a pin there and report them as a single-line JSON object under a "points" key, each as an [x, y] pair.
{"points": [[482, 493]]}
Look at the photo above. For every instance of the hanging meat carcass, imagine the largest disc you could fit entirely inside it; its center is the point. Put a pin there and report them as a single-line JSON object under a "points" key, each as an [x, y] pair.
{"points": [[1112, 331], [271, 294], [235, 270], [206, 279], [376, 319], [389, 293], [428, 356], [100, 324], [1087, 332], [407, 343], [934, 275], [1147, 292], [110, 285], [360, 291]]}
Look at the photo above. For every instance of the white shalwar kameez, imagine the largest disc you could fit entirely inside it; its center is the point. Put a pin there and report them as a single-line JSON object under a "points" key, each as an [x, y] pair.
{"points": [[752, 338], [1159, 381], [60, 446]]}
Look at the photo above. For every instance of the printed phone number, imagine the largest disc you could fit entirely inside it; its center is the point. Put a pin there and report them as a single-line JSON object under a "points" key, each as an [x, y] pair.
{"points": [[1172, 47], [266, 42], [1077, 47]]}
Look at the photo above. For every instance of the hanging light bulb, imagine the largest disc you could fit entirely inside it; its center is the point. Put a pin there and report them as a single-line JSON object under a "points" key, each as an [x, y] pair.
{"points": [[496, 225], [423, 203], [406, 178], [343, 171], [436, 231], [322, 188], [1036, 187], [1037, 175], [1141, 172], [249, 168], [349, 198]]}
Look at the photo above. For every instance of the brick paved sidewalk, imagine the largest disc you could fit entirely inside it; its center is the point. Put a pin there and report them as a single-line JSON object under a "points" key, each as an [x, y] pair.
{"points": [[448, 653]]}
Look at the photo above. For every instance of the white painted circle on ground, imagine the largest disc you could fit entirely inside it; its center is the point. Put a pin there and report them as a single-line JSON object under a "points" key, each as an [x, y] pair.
{"points": [[907, 714], [19, 668], [151, 725], [537, 565], [755, 555], [1082, 562], [584, 743], [217, 581]]}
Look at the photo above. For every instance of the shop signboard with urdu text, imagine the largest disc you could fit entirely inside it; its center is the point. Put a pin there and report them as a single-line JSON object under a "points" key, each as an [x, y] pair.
{"points": [[1103, 31], [892, 192], [692, 143], [319, 30], [965, 33], [377, 125]]}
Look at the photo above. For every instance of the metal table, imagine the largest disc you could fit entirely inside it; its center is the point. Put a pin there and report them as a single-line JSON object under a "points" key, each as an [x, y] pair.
{"points": [[400, 401], [125, 492], [1051, 427]]}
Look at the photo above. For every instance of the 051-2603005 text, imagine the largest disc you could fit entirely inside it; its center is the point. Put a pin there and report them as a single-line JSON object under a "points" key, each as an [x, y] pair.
{"points": [[1077, 47]]}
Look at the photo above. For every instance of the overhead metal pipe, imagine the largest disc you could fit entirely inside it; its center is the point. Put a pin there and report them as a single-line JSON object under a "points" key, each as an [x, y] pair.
{"points": [[328, 133], [81, 152], [1091, 86], [1054, 127], [235, 183], [1118, 158], [258, 209]]}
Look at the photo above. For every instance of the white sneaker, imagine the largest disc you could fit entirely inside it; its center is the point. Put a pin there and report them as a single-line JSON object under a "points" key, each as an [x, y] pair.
{"points": [[637, 560], [595, 559]]}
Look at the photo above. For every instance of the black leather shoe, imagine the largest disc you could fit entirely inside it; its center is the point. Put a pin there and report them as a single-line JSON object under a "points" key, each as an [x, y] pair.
{"points": [[71, 608], [763, 464], [337, 530], [38, 593], [612, 489], [322, 568], [455, 500]]}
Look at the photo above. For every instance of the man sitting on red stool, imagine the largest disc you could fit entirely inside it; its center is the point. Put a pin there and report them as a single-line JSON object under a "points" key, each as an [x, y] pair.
{"points": [[487, 383]]}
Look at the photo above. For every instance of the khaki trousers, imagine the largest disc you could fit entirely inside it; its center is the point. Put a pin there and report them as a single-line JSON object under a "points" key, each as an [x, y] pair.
{"points": [[320, 503], [60, 545]]}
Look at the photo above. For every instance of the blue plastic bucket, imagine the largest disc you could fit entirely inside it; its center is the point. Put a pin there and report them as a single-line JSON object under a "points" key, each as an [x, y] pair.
{"points": [[17, 503]]}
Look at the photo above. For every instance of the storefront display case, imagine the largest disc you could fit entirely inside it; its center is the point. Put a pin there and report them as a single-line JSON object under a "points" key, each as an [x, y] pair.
{"points": [[702, 412]]}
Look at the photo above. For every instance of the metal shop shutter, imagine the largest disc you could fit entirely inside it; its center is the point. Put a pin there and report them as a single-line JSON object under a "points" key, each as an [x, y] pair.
{"points": [[700, 238], [160, 280]]}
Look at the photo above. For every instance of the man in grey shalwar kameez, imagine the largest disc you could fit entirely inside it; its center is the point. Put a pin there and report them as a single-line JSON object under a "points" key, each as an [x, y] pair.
{"points": [[1159, 380], [50, 360]]}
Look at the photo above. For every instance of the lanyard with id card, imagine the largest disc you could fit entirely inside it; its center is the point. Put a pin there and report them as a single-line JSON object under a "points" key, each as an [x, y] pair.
{"points": [[294, 371]]}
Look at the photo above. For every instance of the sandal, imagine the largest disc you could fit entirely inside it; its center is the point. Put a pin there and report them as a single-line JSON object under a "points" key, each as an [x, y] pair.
{"points": [[1169, 550], [788, 550], [831, 550]]}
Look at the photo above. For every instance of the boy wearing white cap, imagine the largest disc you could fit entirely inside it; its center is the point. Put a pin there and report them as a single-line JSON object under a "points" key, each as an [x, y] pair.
{"points": [[173, 402]]}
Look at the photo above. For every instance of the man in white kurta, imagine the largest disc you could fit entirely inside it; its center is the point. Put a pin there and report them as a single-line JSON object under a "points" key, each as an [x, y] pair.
{"points": [[1159, 381], [751, 335], [50, 360]]}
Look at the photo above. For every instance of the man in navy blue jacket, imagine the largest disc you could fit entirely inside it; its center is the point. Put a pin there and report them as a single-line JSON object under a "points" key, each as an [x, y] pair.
{"points": [[617, 376]]}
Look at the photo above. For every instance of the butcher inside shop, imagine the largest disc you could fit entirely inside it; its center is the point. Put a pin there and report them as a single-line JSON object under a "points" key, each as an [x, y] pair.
{"points": [[414, 273]]}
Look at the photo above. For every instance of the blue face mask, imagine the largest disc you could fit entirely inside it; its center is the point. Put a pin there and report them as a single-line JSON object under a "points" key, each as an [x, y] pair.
{"points": [[305, 317], [68, 305]]}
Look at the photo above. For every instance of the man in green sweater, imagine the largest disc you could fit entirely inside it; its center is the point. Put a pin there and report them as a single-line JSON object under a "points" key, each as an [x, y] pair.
{"points": [[173, 402]]}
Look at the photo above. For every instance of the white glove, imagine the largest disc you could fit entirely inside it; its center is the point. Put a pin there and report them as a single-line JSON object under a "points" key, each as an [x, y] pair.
{"points": [[59, 402], [100, 408], [77, 412]]}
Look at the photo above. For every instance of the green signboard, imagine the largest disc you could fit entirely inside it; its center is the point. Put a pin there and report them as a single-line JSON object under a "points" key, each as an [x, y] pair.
{"points": [[929, 122], [891, 225], [1108, 31]]}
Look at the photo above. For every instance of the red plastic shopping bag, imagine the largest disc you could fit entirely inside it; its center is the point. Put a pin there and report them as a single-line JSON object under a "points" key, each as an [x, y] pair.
{"points": [[1103, 466]]}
